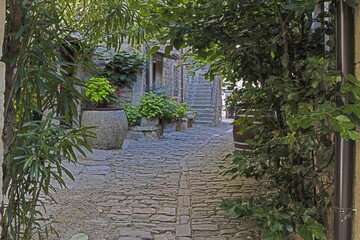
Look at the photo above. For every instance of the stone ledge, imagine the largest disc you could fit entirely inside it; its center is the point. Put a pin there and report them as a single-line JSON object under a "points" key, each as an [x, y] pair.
{"points": [[148, 132]]}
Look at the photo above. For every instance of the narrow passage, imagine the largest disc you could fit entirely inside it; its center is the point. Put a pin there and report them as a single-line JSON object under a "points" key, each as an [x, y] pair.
{"points": [[167, 189]]}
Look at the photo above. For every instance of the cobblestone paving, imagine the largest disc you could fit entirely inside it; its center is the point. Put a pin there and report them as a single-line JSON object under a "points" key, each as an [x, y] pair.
{"points": [[167, 189]]}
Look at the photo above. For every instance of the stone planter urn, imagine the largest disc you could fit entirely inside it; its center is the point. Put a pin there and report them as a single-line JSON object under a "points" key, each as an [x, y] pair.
{"points": [[181, 125], [111, 127], [190, 119]]}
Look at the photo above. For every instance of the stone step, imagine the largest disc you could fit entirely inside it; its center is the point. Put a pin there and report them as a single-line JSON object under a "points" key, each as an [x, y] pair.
{"points": [[202, 91], [200, 86], [201, 114], [210, 123], [201, 81], [205, 109], [199, 106], [204, 116], [199, 90], [200, 101], [200, 98], [199, 93]]}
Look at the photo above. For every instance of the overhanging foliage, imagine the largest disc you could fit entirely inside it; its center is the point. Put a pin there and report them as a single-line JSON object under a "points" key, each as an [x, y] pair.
{"points": [[284, 53]]}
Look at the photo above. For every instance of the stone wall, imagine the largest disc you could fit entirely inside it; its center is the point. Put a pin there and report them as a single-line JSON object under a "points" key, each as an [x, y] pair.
{"points": [[133, 96], [165, 74], [2, 89], [356, 199], [218, 100]]}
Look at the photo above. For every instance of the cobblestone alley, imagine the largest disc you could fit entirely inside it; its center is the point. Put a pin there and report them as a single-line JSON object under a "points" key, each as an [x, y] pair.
{"points": [[167, 189]]}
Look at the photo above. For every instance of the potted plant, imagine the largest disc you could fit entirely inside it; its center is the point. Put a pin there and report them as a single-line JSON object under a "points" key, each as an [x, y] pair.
{"points": [[99, 91], [110, 124], [190, 117], [132, 114], [180, 113], [156, 110]]}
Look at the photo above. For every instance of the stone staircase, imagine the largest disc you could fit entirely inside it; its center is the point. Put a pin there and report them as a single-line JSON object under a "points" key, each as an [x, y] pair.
{"points": [[205, 97]]}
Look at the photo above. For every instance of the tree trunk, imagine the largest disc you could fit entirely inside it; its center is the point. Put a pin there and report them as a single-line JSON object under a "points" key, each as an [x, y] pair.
{"points": [[12, 46]]}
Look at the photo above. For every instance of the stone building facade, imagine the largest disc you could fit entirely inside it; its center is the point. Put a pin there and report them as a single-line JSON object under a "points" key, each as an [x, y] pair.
{"points": [[163, 74]]}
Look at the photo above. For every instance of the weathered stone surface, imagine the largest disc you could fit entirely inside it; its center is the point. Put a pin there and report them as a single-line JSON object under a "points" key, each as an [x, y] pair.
{"points": [[167, 211], [149, 122], [162, 218], [167, 236], [205, 227], [148, 132], [183, 230], [111, 128], [165, 189]]}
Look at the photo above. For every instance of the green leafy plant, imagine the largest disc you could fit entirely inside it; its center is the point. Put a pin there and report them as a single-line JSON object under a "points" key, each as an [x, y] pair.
{"points": [[132, 114], [180, 111], [123, 68], [99, 90], [40, 62], [232, 102], [43, 147], [160, 106], [278, 54]]}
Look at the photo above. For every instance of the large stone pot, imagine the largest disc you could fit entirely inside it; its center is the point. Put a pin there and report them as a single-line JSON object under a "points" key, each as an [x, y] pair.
{"points": [[111, 127]]}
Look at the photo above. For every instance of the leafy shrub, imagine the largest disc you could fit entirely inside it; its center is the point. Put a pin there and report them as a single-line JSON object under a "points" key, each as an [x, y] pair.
{"points": [[122, 69], [99, 90], [132, 114], [160, 106], [180, 111]]}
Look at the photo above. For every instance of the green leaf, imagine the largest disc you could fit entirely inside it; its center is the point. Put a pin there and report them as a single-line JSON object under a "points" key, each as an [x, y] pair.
{"points": [[353, 3], [168, 49], [272, 54], [343, 119], [269, 235], [154, 49], [291, 6], [285, 60], [80, 236], [178, 42], [305, 233], [305, 123], [354, 135], [316, 229], [312, 230], [351, 78]]}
